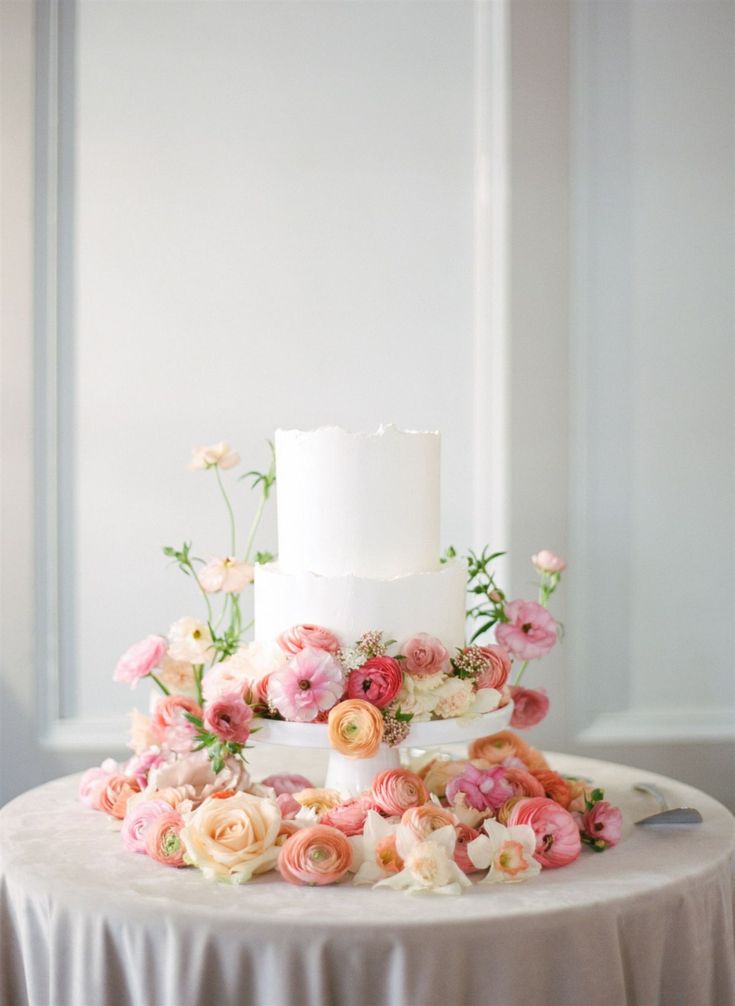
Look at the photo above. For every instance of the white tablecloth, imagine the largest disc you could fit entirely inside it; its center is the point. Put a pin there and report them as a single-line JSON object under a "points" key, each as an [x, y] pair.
{"points": [[85, 923]]}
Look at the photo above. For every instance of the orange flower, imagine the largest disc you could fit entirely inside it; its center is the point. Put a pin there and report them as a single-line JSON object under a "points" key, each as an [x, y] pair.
{"points": [[397, 789], [316, 855], [421, 821], [505, 744], [524, 783], [355, 728], [114, 797], [555, 786]]}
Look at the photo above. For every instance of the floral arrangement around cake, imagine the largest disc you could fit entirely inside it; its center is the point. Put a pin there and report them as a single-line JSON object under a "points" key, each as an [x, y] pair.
{"points": [[186, 798]]}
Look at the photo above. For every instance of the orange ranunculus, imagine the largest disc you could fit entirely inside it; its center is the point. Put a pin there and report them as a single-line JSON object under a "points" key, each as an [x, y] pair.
{"points": [[555, 786], [505, 744], [422, 821], [114, 797], [355, 728], [397, 789]]}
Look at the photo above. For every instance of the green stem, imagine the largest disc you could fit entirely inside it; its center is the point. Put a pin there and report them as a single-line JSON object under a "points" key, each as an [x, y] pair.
{"points": [[230, 511], [254, 526], [160, 684], [203, 592], [521, 672], [198, 671]]}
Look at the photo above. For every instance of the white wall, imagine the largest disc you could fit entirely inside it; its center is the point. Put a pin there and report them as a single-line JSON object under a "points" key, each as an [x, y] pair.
{"points": [[510, 222]]}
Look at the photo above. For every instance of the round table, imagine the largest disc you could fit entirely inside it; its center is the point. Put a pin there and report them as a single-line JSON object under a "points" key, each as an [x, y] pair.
{"points": [[85, 923]]}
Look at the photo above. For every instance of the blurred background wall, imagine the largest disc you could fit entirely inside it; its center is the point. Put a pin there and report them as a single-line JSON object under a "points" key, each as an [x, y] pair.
{"points": [[513, 222]]}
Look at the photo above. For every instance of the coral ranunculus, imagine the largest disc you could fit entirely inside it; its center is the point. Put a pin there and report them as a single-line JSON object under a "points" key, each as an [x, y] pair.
{"points": [[530, 631], [397, 790], [355, 728], [557, 835], [465, 835], [425, 655], [498, 667], [530, 706], [139, 660], [378, 681], [302, 636], [422, 821], [311, 682], [163, 839], [349, 817], [170, 725], [317, 855], [114, 796], [555, 786], [496, 748]]}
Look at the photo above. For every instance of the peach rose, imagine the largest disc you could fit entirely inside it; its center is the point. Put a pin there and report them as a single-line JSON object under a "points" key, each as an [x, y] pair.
{"points": [[505, 744], [233, 838], [317, 855], [498, 667], [113, 798], [355, 728], [421, 821], [425, 655], [163, 839], [396, 790], [301, 636]]}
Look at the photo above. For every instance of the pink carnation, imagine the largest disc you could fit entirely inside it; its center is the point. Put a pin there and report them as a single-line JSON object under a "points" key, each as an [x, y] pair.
{"points": [[378, 681], [530, 706], [557, 835], [349, 817], [283, 783], [602, 824], [484, 788], [139, 660], [497, 667], [229, 718], [302, 636], [137, 821], [310, 683], [530, 631], [425, 655]]}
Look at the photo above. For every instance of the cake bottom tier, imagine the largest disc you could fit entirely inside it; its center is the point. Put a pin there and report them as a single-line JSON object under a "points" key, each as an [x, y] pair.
{"points": [[349, 606]]}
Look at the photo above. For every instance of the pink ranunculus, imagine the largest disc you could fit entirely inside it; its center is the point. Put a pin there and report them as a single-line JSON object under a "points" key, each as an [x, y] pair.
{"points": [[396, 790], [163, 839], [302, 636], [557, 835], [140, 766], [93, 782], [425, 655], [530, 706], [349, 817], [139, 660], [136, 823], [484, 788], [316, 855], [498, 667], [530, 631], [465, 835], [284, 783], [229, 718], [379, 680], [602, 824], [288, 806], [170, 725], [547, 562], [311, 682]]}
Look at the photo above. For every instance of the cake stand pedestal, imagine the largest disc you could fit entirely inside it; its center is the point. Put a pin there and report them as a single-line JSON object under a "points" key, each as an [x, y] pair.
{"points": [[351, 776]]}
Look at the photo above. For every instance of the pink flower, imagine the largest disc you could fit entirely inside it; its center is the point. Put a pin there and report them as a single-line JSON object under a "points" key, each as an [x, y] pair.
{"points": [[139, 660], [557, 835], [349, 817], [195, 770], [283, 783], [163, 839], [93, 783], [546, 562], [602, 825], [137, 821], [288, 806], [302, 636], [316, 855], [171, 726], [530, 631], [228, 575], [215, 456], [425, 655], [497, 670], [530, 706], [311, 682], [140, 766], [484, 788], [114, 795], [396, 790], [379, 680], [229, 718], [465, 835]]}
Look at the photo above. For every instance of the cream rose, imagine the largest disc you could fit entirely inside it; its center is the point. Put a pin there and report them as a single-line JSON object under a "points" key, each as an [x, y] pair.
{"points": [[233, 839]]}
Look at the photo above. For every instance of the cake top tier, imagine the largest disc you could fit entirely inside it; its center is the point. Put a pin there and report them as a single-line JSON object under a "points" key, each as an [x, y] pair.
{"points": [[365, 504]]}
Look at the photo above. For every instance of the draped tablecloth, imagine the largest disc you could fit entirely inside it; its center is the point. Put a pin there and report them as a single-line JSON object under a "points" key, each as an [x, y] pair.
{"points": [[85, 923]]}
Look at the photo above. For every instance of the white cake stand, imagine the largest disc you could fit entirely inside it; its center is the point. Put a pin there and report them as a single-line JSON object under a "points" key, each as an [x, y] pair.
{"points": [[353, 775]]}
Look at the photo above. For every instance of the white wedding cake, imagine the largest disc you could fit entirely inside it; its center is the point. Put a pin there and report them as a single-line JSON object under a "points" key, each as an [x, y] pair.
{"points": [[358, 539]]}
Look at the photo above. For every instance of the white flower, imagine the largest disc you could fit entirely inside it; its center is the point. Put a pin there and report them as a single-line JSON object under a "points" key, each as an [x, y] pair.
{"points": [[453, 698], [216, 455], [507, 853], [228, 575], [190, 641], [374, 853], [428, 864], [243, 669], [483, 701], [418, 695], [178, 676]]}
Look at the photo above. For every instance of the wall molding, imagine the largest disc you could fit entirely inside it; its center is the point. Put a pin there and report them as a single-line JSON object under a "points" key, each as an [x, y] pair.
{"points": [[653, 726]]}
